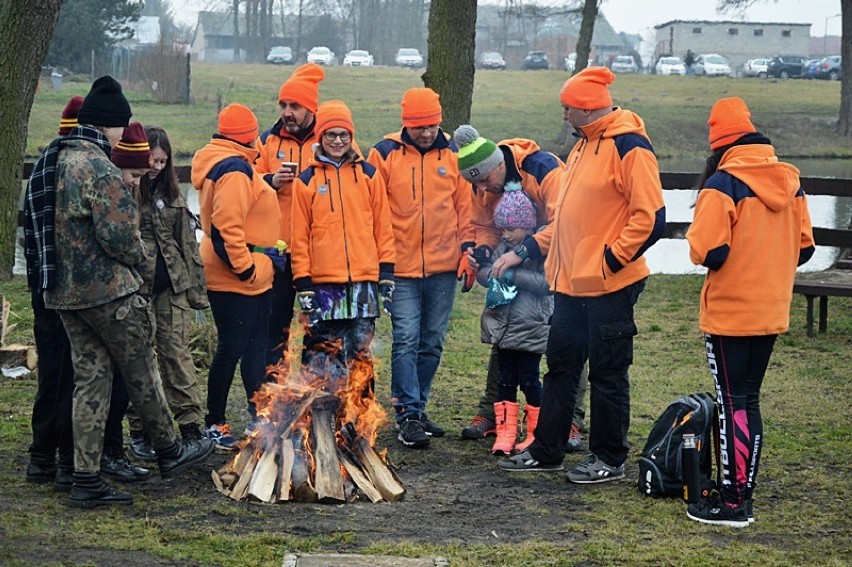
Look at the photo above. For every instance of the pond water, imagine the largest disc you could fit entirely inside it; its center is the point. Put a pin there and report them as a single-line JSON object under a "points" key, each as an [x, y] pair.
{"points": [[671, 256]]}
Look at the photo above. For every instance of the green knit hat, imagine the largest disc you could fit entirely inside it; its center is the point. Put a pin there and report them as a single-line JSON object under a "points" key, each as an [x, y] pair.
{"points": [[478, 156]]}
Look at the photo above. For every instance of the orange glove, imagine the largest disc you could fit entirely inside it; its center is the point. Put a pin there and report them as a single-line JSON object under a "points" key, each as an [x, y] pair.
{"points": [[466, 274]]}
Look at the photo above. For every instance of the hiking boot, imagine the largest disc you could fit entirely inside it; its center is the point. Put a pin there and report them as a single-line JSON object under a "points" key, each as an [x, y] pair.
{"points": [[114, 465], [479, 428], [713, 511], [90, 491], [593, 470], [64, 478], [141, 447], [190, 432], [412, 434], [220, 434], [431, 428], [575, 439], [524, 461], [182, 455], [41, 472]]}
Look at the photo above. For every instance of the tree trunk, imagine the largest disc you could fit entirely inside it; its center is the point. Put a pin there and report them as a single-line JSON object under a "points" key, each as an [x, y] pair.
{"points": [[844, 123], [587, 29], [450, 70], [236, 16], [27, 29]]}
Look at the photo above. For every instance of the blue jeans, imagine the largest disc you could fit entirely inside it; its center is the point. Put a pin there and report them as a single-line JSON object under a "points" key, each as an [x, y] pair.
{"points": [[600, 330], [421, 313]]}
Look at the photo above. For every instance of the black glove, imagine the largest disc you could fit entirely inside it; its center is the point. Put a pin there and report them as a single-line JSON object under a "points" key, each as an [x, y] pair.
{"points": [[482, 255], [386, 288]]}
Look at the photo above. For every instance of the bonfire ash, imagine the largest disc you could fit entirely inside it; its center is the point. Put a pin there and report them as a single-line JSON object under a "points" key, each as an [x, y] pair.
{"points": [[315, 441]]}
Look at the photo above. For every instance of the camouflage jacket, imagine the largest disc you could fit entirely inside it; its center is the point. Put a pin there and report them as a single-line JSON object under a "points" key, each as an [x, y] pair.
{"points": [[170, 229], [97, 231]]}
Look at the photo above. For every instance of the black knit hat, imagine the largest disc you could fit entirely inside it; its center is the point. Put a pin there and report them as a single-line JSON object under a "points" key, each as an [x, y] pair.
{"points": [[105, 105]]}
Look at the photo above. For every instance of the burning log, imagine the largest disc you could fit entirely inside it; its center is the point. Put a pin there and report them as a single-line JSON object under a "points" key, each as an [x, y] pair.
{"points": [[327, 477], [359, 478]]}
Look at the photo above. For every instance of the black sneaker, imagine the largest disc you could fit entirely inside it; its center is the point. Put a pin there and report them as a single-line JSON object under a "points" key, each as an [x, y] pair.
{"points": [[713, 511], [412, 434], [431, 428]]}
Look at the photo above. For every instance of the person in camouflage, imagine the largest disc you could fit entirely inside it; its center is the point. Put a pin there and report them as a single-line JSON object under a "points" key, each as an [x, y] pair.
{"points": [[174, 277], [88, 242]]}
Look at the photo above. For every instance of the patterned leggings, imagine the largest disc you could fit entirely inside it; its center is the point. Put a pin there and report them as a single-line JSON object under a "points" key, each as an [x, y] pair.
{"points": [[738, 365]]}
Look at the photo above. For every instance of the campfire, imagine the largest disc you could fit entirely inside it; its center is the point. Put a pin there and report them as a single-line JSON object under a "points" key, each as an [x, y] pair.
{"points": [[315, 441]]}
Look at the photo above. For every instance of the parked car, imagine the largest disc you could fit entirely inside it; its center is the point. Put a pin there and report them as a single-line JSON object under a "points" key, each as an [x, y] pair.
{"points": [[492, 60], [280, 55], [535, 60], [711, 65], [571, 62], [829, 68], [809, 68], [358, 58], [786, 66], [321, 55], [755, 68], [670, 66], [409, 57], [624, 64]]}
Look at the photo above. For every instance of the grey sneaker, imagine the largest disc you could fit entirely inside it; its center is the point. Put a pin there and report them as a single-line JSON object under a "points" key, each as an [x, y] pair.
{"points": [[524, 461], [592, 470]]}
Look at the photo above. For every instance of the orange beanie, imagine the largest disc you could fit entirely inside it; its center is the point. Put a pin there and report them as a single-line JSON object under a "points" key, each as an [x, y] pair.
{"points": [[68, 121], [729, 121], [334, 114], [420, 107], [238, 123], [303, 86], [588, 90]]}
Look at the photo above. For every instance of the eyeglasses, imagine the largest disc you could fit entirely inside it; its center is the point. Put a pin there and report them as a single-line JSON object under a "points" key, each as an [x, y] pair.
{"points": [[332, 136], [417, 130]]}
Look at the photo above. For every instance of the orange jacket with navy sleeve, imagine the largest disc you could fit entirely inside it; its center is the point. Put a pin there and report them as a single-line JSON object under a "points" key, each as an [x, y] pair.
{"points": [[341, 224], [751, 229], [429, 203], [238, 209], [540, 173], [610, 209]]}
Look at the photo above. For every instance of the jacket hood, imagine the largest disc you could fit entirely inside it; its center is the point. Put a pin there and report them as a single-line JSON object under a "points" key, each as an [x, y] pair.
{"points": [[775, 183], [214, 152], [616, 123], [521, 149]]}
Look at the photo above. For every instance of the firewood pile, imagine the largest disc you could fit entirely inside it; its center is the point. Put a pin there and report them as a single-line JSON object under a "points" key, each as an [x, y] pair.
{"points": [[313, 445]]}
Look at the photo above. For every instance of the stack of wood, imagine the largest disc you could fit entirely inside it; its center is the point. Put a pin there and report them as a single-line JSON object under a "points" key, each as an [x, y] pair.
{"points": [[323, 463], [13, 355]]}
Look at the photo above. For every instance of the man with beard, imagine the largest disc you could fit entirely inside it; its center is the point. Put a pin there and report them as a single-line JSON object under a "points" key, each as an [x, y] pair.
{"points": [[289, 141]]}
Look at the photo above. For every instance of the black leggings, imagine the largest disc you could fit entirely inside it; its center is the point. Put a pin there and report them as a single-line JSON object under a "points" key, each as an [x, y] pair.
{"points": [[518, 368], [738, 365]]}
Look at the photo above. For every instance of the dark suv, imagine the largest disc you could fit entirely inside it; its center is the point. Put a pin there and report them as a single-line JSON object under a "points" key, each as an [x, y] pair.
{"points": [[786, 66], [535, 60]]}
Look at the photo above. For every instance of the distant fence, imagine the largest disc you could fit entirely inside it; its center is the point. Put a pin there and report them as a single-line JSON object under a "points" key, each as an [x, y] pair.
{"points": [[836, 237]]}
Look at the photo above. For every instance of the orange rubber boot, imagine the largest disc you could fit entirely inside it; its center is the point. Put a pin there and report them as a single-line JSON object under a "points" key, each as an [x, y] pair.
{"points": [[506, 414], [531, 417]]}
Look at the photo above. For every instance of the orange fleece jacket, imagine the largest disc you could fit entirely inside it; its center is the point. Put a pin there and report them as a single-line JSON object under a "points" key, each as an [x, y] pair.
{"points": [[751, 229], [609, 211], [540, 175], [429, 204], [341, 224], [238, 209]]}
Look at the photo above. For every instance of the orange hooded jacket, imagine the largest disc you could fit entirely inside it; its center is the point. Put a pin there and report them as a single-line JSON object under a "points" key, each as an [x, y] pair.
{"points": [[609, 211], [429, 204], [540, 173], [341, 225], [238, 210], [751, 229]]}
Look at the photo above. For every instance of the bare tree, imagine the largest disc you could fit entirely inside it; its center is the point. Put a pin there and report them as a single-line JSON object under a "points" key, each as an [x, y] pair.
{"points": [[844, 119], [450, 66], [587, 30], [236, 16], [27, 28]]}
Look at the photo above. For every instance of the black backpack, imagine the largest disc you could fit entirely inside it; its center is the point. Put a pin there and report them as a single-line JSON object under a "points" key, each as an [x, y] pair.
{"points": [[660, 471]]}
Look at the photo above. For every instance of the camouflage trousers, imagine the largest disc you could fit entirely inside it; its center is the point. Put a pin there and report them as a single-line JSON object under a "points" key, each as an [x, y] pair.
{"points": [[177, 371], [119, 335]]}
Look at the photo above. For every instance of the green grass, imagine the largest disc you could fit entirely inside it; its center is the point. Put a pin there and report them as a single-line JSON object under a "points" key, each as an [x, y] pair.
{"points": [[798, 115], [802, 501]]}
